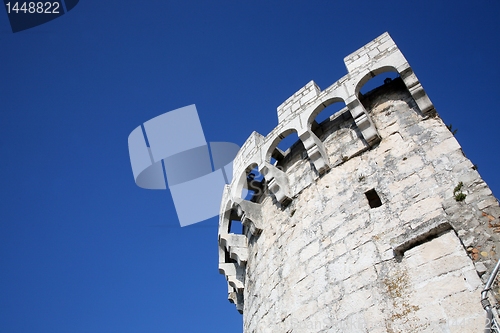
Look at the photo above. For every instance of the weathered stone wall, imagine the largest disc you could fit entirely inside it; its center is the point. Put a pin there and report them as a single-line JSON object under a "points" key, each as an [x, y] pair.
{"points": [[315, 255]]}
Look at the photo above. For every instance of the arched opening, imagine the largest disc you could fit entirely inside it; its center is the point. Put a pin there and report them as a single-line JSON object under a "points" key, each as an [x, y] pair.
{"points": [[286, 150], [231, 221], [383, 83], [253, 185], [326, 116], [236, 227], [377, 81], [287, 142]]}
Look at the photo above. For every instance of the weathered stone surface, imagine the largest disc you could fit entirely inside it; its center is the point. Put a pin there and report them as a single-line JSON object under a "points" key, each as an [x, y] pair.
{"points": [[322, 254]]}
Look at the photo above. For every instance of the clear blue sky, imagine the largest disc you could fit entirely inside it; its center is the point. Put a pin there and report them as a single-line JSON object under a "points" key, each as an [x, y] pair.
{"points": [[82, 248]]}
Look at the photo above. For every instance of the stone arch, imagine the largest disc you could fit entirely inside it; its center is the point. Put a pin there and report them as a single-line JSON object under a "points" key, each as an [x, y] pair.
{"points": [[255, 183], [272, 147], [276, 179], [321, 107], [239, 179], [312, 123], [371, 74], [230, 214], [225, 217], [404, 79]]}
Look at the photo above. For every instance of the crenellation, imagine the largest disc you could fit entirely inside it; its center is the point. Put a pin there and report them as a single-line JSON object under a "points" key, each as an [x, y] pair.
{"points": [[358, 226], [297, 100], [379, 47]]}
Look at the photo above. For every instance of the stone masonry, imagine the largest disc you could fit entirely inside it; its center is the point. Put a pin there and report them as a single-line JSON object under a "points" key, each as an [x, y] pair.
{"points": [[374, 221]]}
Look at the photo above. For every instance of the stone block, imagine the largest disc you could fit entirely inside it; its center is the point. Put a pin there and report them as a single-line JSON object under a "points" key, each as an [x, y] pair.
{"points": [[419, 208]]}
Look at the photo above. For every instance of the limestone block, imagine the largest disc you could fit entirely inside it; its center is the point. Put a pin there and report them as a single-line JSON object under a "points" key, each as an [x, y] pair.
{"points": [[425, 231], [440, 266], [336, 272], [363, 60], [446, 147], [471, 278], [361, 258], [419, 208], [235, 275], [341, 233], [390, 129], [232, 240], [304, 312], [301, 97], [439, 247], [353, 303], [404, 184], [424, 188], [438, 287], [310, 95], [464, 313], [373, 320], [300, 175], [490, 201], [309, 251], [360, 57], [240, 254], [251, 216], [364, 279], [385, 46], [396, 147]]}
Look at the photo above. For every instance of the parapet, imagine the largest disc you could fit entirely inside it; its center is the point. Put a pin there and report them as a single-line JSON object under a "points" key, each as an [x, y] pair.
{"points": [[297, 114], [373, 220], [378, 56]]}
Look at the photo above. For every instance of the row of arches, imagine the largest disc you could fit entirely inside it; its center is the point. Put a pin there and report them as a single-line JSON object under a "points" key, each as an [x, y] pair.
{"points": [[253, 184], [286, 145], [263, 163], [325, 112]]}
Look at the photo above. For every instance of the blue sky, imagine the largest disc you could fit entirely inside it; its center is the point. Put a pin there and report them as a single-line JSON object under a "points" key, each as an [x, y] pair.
{"points": [[82, 248]]}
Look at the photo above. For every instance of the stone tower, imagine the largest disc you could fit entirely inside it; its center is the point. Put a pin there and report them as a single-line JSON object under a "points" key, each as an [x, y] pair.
{"points": [[373, 221]]}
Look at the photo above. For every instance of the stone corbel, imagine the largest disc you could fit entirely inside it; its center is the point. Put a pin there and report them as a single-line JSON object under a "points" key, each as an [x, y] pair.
{"points": [[250, 214], [239, 302], [316, 151], [240, 254], [364, 122], [235, 275], [236, 246], [417, 91], [222, 254], [231, 294], [277, 183], [235, 297]]}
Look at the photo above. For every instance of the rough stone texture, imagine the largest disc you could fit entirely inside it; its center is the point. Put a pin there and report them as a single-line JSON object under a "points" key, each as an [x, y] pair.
{"points": [[316, 257]]}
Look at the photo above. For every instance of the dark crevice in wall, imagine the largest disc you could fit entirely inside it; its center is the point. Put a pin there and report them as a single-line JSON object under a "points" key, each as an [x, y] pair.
{"points": [[373, 198], [419, 236]]}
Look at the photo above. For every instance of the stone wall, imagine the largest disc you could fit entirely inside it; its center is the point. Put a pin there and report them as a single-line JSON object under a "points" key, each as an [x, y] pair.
{"points": [[374, 222]]}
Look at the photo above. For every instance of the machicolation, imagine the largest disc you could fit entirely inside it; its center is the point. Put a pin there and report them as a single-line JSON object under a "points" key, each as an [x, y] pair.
{"points": [[357, 226]]}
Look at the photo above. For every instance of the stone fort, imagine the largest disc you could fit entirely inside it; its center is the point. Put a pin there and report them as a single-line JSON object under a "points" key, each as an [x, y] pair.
{"points": [[373, 221]]}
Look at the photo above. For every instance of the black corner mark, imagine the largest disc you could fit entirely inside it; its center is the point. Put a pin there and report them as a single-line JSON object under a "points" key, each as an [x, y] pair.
{"points": [[70, 4], [28, 14]]}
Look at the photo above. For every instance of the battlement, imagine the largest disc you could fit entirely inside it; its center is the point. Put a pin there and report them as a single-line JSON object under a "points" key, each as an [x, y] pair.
{"points": [[298, 100], [298, 112], [362, 209], [378, 56], [380, 48]]}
